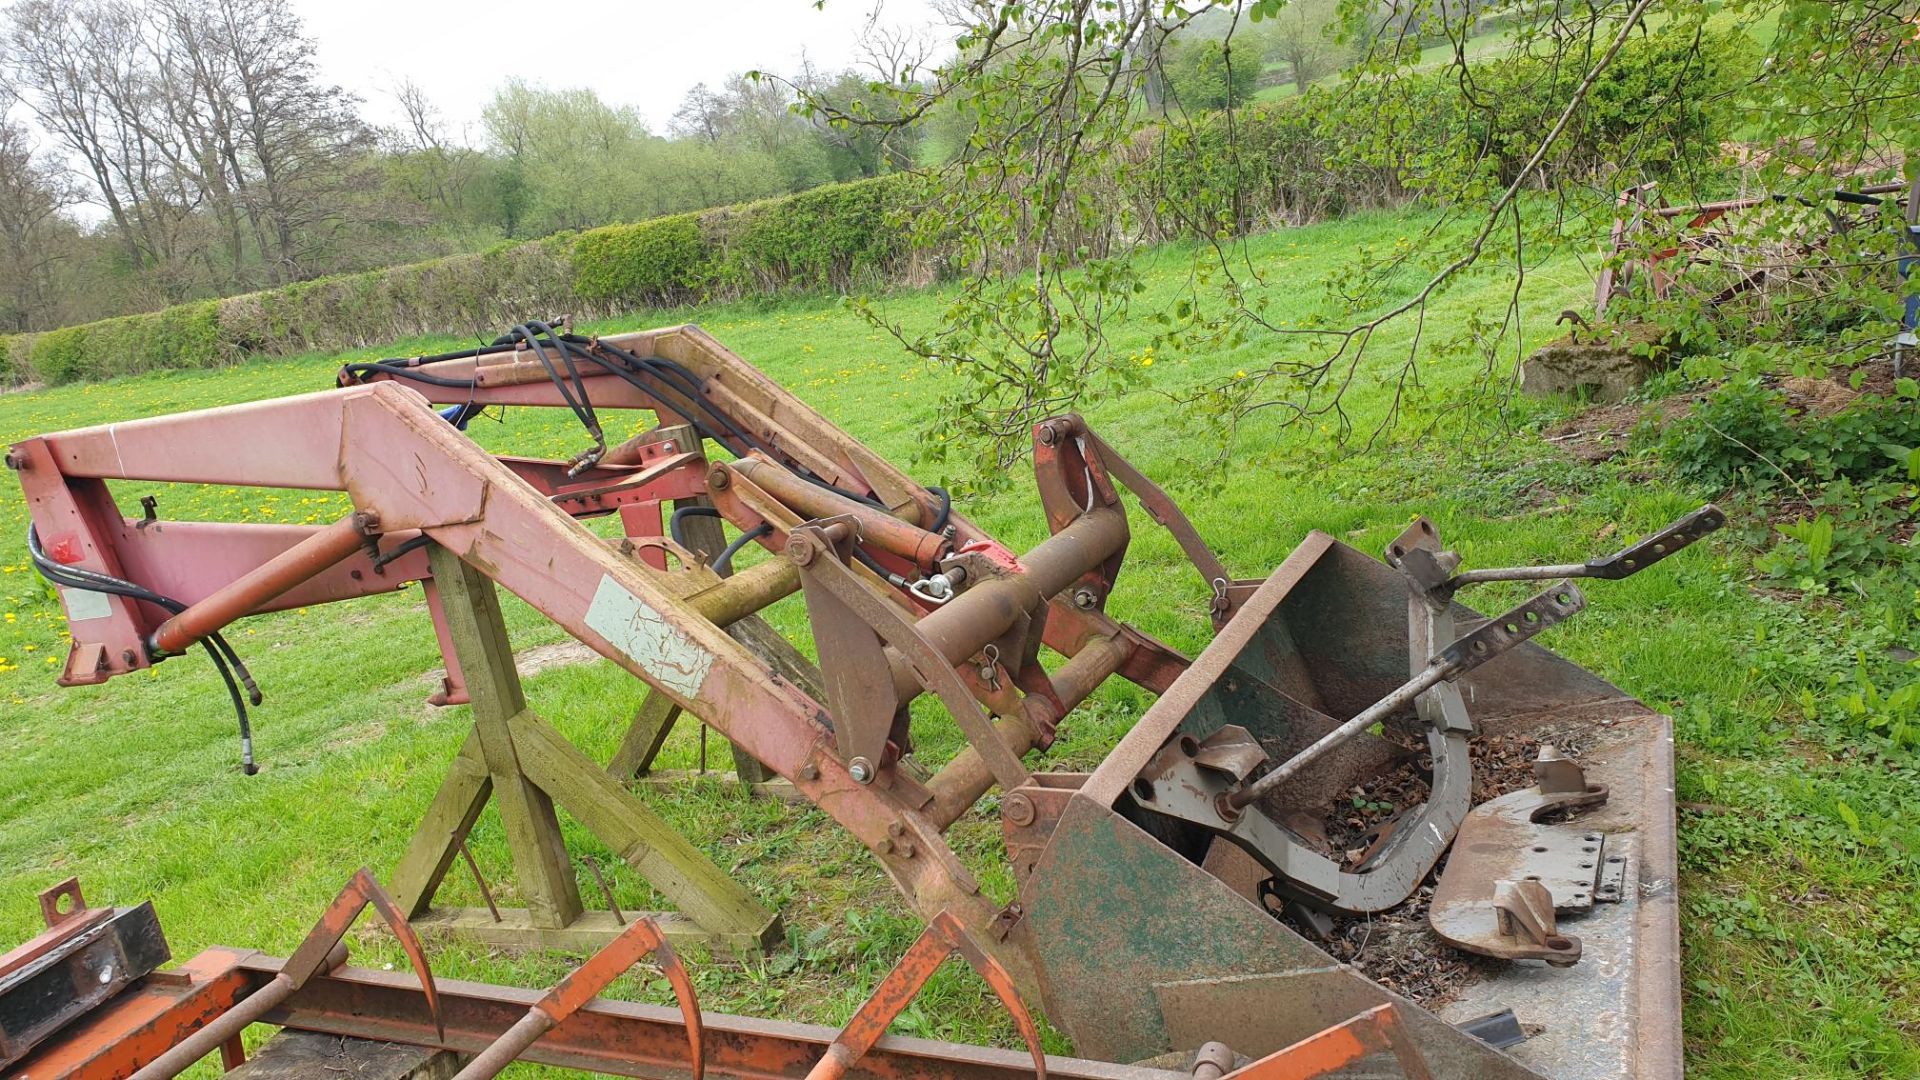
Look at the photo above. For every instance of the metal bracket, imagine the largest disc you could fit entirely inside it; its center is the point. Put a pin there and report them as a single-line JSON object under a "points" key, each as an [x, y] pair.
{"points": [[1192, 780], [85, 957], [1524, 914], [1511, 871], [857, 613]]}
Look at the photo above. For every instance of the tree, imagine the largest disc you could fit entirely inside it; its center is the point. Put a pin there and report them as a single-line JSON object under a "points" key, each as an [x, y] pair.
{"points": [[189, 109], [1033, 209], [574, 160], [1208, 75], [1300, 36], [80, 69], [33, 237], [702, 114], [301, 138]]}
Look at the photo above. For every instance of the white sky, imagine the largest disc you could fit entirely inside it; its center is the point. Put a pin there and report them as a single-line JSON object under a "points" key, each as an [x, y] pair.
{"points": [[644, 53]]}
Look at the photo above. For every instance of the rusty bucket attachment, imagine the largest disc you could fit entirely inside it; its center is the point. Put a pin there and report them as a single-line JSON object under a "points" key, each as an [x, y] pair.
{"points": [[1144, 886]]}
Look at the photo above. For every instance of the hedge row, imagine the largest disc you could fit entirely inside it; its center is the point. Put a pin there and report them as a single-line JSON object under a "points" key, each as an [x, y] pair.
{"points": [[1292, 162], [830, 238]]}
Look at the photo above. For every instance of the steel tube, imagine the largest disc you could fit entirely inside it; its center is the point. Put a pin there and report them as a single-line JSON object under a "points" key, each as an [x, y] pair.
{"points": [[505, 1050], [965, 624], [231, 1023], [960, 784], [1752, 201], [256, 587], [877, 527], [1375, 713], [753, 589], [210, 1038], [1520, 573]]}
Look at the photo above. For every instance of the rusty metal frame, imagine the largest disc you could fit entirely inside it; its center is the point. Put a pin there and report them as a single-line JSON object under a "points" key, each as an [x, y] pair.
{"points": [[620, 1038], [322, 950], [403, 463], [854, 530]]}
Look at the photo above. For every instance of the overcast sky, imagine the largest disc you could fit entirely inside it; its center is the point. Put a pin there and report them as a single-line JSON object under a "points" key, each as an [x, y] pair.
{"points": [[644, 53]]}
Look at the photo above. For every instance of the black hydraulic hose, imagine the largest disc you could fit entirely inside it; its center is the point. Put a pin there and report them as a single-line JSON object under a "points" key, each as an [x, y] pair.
{"points": [[387, 367], [712, 423], [677, 530], [723, 562], [222, 654], [581, 405], [678, 378], [409, 546]]}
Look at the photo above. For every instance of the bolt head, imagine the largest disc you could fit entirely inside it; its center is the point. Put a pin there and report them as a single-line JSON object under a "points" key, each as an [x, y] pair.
{"points": [[861, 770], [1085, 599], [1018, 810], [718, 478]]}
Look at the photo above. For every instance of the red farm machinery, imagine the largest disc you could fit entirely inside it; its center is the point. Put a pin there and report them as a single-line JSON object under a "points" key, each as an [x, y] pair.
{"points": [[1174, 904]]}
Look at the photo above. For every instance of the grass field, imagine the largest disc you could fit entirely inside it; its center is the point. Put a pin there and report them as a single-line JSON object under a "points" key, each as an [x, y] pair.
{"points": [[1801, 917]]}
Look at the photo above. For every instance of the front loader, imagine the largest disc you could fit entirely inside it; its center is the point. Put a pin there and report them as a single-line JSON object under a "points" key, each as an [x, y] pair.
{"points": [[1173, 902]]}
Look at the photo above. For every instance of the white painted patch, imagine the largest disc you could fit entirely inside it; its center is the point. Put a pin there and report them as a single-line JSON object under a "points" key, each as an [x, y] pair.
{"points": [[636, 629], [83, 604]]}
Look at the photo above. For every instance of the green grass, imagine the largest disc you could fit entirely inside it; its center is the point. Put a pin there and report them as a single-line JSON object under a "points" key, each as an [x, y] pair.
{"points": [[1496, 44], [1801, 917]]}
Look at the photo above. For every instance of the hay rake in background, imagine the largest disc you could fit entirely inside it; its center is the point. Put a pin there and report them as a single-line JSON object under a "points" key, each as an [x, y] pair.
{"points": [[1142, 924]]}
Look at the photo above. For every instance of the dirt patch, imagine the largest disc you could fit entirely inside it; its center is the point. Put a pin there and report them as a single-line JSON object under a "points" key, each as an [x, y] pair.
{"points": [[529, 662], [533, 661], [1602, 434]]}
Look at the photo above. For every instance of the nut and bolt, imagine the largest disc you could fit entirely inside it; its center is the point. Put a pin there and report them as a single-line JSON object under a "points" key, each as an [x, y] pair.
{"points": [[718, 478], [1085, 598], [861, 770], [800, 552], [1018, 810]]}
